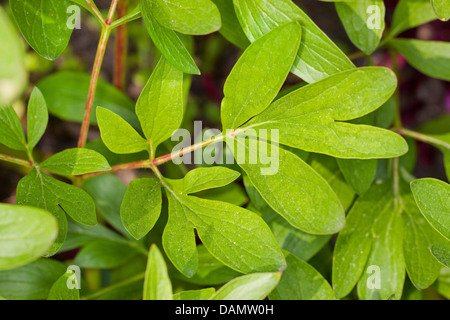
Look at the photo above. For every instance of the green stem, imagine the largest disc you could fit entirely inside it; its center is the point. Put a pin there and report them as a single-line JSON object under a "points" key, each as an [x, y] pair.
{"points": [[97, 13], [17, 161], [423, 138], [398, 116], [356, 55], [93, 86], [103, 291]]}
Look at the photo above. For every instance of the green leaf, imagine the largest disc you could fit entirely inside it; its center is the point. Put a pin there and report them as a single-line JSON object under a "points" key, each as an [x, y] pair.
{"points": [[328, 168], [301, 244], [409, 14], [256, 286], [207, 178], [118, 135], [307, 202], [317, 58], [157, 285], [37, 118], [32, 281], [422, 269], [433, 199], [26, 233], [132, 291], [202, 294], [310, 117], [211, 272], [13, 74], [39, 190], [300, 281], [60, 290], [358, 173], [11, 132], [66, 93], [75, 161], [196, 17], [160, 105], [79, 235], [168, 42], [229, 22], [356, 16], [429, 57], [442, 9], [259, 74], [43, 23], [108, 192], [387, 255], [232, 193], [104, 254], [442, 253], [369, 238], [141, 206], [237, 237]]}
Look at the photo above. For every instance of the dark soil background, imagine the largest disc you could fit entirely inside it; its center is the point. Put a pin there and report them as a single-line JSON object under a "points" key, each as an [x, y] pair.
{"points": [[422, 98]]}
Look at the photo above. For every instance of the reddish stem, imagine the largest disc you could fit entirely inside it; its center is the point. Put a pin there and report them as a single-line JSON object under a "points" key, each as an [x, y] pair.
{"points": [[121, 167], [106, 31], [121, 49], [93, 86]]}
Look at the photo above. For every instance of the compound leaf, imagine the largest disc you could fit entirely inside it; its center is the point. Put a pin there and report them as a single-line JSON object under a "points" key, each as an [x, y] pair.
{"points": [[310, 117]]}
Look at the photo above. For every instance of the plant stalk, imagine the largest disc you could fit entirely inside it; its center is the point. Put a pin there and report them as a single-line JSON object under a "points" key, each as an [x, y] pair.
{"points": [[17, 161], [97, 13], [106, 32], [120, 58]]}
